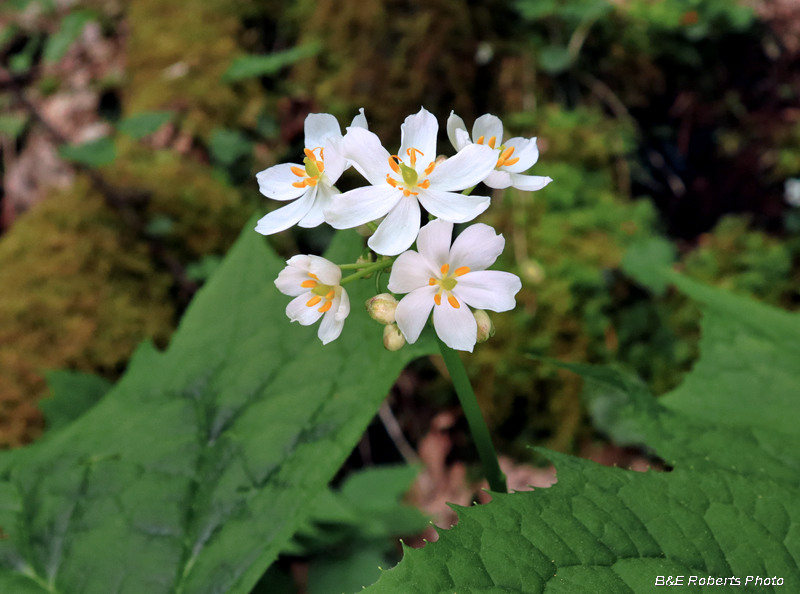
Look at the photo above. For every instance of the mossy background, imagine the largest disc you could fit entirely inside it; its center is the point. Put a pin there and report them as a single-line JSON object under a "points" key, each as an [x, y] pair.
{"points": [[670, 119]]}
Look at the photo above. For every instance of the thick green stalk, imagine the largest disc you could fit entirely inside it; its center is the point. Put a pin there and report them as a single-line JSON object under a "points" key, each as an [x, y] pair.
{"points": [[480, 432], [371, 268]]}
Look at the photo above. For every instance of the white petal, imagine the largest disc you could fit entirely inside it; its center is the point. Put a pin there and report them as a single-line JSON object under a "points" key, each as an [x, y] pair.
{"points": [[276, 182], [478, 246], [298, 311], [315, 216], [360, 121], [469, 167], [488, 289], [361, 206], [462, 139], [325, 270], [419, 131], [487, 126], [410, 272], [289, 280], [455, 123], [455, 208], [498, 180], [286, 216], [365, 151], [525, 150], [319, 127], [529, 183], [332, 322], [334, 160], [456, 327], [433, 244], [412, 312], [399, 229]]}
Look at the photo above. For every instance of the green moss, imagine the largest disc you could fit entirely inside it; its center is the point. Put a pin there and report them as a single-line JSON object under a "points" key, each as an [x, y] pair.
{"points": [[78, 293]]}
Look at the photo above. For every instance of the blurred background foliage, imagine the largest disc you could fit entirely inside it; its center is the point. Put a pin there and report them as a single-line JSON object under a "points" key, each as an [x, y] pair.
{"points": [[131, 132]]}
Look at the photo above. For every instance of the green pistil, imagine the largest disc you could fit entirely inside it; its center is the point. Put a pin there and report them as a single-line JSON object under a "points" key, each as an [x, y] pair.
{"points": [[448, 284], [311, 167], [410, 176], [322, 290]]}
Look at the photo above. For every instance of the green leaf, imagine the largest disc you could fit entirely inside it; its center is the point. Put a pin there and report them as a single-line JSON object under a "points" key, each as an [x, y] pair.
{"points": [[646, 260], [143, 124], [71, 27], [227, 146], [730, 507], [555, 59], [253, 66], [73, 394], [12, 125], [197, 468], [350, 573], [94, 153]]}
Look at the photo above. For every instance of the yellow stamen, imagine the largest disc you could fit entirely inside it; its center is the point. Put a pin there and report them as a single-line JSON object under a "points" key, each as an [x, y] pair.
{"points": [[313, 301], [312, 181], [391, 181], [492, 141], [330, 295], [326, 307], [500, 163], [425, 185], [314, 276], [309, 284], [393, 164], [511, 161], [299, 172], [310, 154], [437, 298], [507, 153], [407, 193], [431, 281], [430, 167], [299, 184], [412, 154], [479, 141], [445, 268], [461, 270], [321, 153], [320, 166], [454, 302]]}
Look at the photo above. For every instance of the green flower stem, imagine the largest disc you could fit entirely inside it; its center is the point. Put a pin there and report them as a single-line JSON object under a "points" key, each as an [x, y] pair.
{"points": [[468, 191], [373, 225], [355, 266], [480, 432], [371, 268]]}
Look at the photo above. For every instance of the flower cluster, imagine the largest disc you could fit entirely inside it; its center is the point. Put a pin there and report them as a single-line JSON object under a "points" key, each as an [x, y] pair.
{"points": [[437, 276]]}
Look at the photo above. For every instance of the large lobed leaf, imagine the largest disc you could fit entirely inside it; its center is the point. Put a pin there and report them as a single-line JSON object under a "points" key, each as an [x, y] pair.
{"points": [[196, 469], [730, 508]]}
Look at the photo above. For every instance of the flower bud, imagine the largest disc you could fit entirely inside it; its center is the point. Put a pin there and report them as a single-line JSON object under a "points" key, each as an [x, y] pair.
{"points": [[381, 308], [485, 325], [393, 339]]}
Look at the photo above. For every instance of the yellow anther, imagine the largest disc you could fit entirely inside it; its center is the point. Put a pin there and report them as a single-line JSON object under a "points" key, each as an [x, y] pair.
{"points": [[437, 298], [313, 301], [492, 141], [299, 184], [430, 167], [445, 268], [500, 163], [479, 141], [320, 166], [507, 153], [412, 155], [461, 270], [330, 295], [431, 281], [298, 171], [511, 161], [425, 185], [326, 307], [391, 181], [407, 193], [311, 181], [309, 284], [310, 154], [393, 164], [453, 301]]}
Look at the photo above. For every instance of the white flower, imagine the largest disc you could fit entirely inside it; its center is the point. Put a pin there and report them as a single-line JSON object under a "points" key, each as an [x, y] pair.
{"points": [[314, 282], [400, 183], [312, 182], [791, 191], [512, 157], [447, 279]]}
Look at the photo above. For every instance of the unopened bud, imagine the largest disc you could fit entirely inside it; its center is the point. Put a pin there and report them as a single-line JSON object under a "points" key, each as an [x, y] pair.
{"points": [[485, 325], [393, 339], [381, 308]]}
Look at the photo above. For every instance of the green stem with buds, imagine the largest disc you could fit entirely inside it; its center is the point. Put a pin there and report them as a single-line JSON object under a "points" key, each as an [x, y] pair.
{"points": [[380, 265], [480, 432]]}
